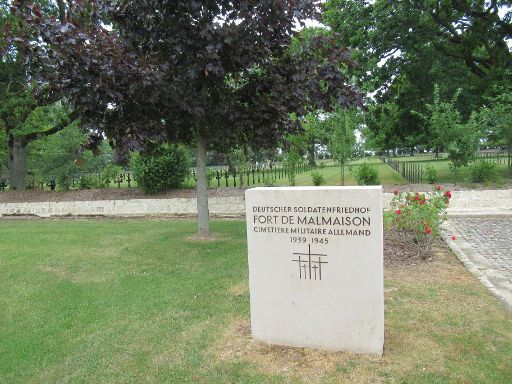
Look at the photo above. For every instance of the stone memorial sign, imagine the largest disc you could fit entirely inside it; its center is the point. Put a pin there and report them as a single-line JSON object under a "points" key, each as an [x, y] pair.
{"points": [[316, 267]]}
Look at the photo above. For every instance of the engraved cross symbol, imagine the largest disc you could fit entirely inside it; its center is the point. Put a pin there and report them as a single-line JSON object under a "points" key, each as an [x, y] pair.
{"points": [[310, 267]]}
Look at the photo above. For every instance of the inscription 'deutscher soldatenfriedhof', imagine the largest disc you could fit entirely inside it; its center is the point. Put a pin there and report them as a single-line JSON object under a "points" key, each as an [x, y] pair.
{"points": [[316, 267]]}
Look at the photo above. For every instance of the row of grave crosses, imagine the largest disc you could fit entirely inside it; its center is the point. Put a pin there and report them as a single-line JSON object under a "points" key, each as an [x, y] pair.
{"points": [[118, 179], [52, 183], [256, 175]]}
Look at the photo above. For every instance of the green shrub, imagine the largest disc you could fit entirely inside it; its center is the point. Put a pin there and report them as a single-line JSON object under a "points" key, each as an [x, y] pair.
{"points": [[430, 174], [366, 174], [160, 172], [483, 172], [210, 175], [416, 218], [109, 174], [87, 182], [318, 178]]}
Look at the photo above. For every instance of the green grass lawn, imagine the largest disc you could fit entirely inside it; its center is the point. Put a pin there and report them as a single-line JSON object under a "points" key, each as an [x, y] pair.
{"points": [[328, 168], [444, 174], [142, 302], [421, 157], [332, 175]]}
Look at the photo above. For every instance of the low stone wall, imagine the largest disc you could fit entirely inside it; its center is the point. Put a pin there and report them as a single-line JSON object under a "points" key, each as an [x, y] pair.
{"points": [[495, 202], [478, 202], [219, 206]]}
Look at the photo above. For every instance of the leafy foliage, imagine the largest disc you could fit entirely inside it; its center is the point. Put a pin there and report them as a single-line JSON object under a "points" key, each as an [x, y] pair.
{"points": [[474, 32], [171, 71], [380, 131], [430, 174], [483, 171], [292, 159], [366, 174], [447, 130], [211, 72], [341, 139], [60, 157], [405, 47], [496, 118], [166, 169], [24, 117], [318, 178], [3, 154], [109, 174]]}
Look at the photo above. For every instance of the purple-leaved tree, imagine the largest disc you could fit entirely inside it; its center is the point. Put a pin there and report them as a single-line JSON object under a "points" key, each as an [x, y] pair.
{"points": [[213, 73]]}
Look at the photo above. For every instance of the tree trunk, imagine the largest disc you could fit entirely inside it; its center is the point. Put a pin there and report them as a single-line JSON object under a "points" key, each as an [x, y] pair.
{"points": [[17, 162], [509, 160], [342, 173], [62, 10], [203, 229], [412, 152], [311, 154]]}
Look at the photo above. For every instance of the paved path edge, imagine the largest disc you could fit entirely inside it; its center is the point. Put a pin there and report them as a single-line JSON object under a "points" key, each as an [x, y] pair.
{"points": [[471, 267]]}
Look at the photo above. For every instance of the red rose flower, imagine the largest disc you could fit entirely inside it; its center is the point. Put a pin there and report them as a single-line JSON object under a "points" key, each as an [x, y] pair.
{"points": [[448, 194], [417, 197], [427, 230], [398, 211], [395, 192], [454, 237]]}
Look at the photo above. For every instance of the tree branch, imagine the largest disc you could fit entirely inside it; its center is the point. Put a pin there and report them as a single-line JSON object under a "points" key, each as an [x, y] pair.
{"points": [[29, 137]]}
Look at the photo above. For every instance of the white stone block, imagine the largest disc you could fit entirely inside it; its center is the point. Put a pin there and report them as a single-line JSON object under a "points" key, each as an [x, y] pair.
{"points": [[316, 267]]}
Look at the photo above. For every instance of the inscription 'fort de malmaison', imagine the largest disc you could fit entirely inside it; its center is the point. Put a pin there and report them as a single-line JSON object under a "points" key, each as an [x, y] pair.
{"points": [[335, 221]]}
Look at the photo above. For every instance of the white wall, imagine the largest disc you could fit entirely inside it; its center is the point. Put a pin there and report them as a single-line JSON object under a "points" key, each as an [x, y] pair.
{"points": [[497, 202]]}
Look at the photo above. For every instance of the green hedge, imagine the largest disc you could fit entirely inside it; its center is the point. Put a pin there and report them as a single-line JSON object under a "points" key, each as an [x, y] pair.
{"points": [[159, 172]]}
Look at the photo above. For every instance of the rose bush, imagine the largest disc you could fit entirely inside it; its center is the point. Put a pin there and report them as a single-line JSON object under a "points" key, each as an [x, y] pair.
{"points": [[417, 218]]}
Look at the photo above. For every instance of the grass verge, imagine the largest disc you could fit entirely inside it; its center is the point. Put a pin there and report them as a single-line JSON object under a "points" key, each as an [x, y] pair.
{"points": [[139, 301]]}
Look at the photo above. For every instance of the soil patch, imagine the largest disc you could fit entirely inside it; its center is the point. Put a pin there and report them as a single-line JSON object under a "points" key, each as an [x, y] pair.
{"points": [[37, 195]]}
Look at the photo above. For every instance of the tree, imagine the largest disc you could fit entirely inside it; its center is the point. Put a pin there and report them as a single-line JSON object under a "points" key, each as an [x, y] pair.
{"points": [[54, 156], [472, 32], [448, 130], [186, 71], [305, 141], [312, 136], [381, 123], [3, 154], [340, 127], [496, 117], [19, 110], [443, 120], [405, 47]]}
